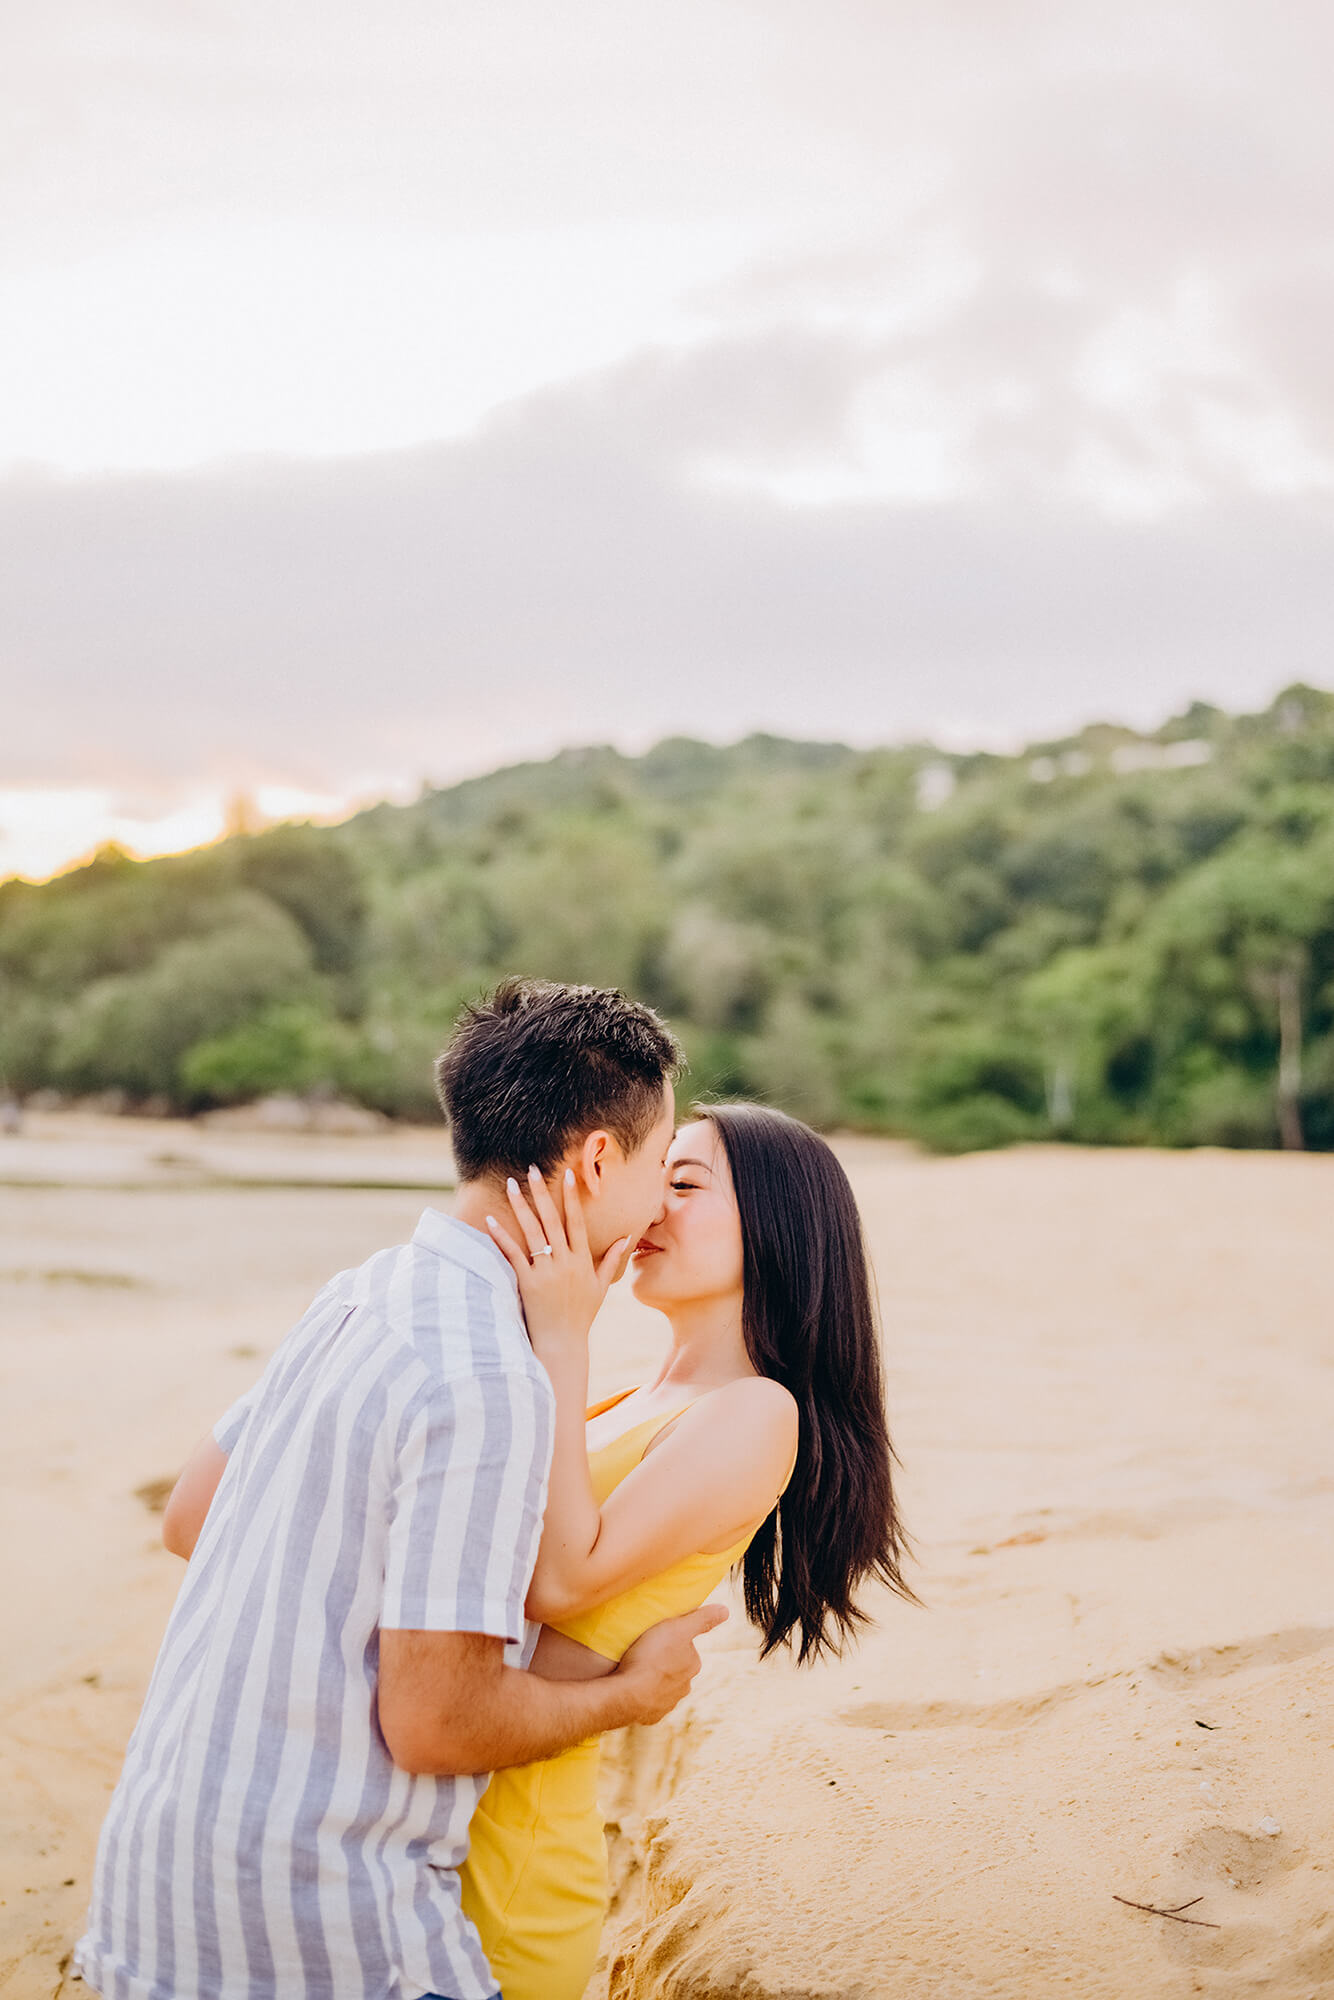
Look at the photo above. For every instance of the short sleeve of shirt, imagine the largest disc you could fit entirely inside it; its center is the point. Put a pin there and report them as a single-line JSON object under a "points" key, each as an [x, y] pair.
{"points": [[466, 1509], [227, 1431]]}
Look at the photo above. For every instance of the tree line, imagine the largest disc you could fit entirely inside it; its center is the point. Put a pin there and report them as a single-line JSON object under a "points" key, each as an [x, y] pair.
{"points": [[1111, 938]]}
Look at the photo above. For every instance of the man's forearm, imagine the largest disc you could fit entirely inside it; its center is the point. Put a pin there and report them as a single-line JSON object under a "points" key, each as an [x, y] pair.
{"points": [[449, 1705], [467, 1711], [532, 1718]]}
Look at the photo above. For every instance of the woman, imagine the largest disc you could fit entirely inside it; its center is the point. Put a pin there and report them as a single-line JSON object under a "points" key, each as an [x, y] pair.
{"points": [[761, 1441]]}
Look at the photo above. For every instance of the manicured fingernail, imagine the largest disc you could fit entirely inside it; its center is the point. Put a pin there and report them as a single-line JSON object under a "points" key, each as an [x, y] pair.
{"points": [[512, 1183], [569, 1177], [533, 1174], [491, 1222]]}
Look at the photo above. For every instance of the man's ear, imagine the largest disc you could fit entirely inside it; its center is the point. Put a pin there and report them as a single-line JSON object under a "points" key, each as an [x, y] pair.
{"points": [[594, 1158]]}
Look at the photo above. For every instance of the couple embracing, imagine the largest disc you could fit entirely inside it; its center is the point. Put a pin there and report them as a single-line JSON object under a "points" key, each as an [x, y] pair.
{"points": [[424, 1576]]}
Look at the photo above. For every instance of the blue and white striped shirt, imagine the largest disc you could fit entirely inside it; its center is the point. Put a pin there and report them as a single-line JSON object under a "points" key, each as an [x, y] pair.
{"points": [[388, 1470]]}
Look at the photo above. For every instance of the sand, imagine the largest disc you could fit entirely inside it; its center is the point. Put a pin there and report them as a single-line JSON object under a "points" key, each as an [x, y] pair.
{"points": [[1112, 1387]]}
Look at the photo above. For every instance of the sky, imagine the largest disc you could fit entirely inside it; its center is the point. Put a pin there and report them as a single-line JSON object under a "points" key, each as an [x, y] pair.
{"points": [[386, 394]]}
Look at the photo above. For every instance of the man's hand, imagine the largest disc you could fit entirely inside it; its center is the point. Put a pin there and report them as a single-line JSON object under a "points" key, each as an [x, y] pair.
{"points": [[660, 1666]]}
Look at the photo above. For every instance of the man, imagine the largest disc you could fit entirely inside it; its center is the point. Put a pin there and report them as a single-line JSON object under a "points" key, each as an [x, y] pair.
{"points": [[343, 1665]]}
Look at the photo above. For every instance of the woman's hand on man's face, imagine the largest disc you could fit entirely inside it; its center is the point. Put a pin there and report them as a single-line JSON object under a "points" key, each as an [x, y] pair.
{"points": [[559, 1283]]}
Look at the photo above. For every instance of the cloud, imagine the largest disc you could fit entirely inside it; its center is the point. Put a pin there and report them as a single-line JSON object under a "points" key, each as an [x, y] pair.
{"points": [[566, 575], [1034, 299], [248, 228]]}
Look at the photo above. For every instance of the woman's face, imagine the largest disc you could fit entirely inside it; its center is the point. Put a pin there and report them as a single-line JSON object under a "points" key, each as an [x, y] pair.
{"points": [[692, 1251]]}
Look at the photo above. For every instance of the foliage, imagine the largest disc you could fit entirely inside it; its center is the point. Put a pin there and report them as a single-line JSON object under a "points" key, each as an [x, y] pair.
{"points": [[285, 1047], [1109, 938], [132, 1030]]}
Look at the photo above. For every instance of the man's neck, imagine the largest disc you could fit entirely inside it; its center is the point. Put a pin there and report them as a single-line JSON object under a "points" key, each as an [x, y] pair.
{"points": [[476, 1200]]}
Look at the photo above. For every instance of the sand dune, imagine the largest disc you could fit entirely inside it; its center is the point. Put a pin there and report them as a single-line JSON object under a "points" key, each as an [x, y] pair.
{"points": [[1112, 1382]]}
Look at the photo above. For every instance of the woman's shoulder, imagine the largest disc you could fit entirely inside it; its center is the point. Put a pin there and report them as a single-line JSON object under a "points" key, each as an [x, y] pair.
{"points": [[759, 1394], [741, 1440], [754, 1412]]}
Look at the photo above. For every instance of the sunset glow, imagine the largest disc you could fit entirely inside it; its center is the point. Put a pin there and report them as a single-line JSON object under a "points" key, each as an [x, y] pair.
{"points": [[45, 832]]}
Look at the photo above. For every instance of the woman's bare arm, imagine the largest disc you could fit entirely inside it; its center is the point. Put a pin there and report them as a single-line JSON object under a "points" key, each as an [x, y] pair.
{"points": [[710, 1482]]}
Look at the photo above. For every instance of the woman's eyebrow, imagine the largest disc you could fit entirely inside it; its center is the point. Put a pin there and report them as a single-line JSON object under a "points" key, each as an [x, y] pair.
{"points": [[692, 1163]]}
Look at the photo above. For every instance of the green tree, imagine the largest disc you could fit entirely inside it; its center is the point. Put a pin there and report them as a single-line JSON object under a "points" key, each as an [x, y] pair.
{"points": [[281, 1048], [1235, 944], [582, 902], [132, 1029], [1085, 1007], [791, 1064], [310, 873]]}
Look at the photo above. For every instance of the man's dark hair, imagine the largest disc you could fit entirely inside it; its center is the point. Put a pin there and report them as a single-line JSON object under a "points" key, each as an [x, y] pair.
{"points": [[537, 1066]]}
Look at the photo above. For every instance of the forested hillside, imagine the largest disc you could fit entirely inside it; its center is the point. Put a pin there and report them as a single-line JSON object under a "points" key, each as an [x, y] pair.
{"points": [[1110, 938]]}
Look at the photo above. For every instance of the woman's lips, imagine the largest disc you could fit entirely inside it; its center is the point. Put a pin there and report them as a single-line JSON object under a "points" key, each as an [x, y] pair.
{"points": [[646, 1249]]}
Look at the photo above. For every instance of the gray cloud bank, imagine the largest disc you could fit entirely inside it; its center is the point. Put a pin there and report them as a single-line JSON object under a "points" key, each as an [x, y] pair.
{"points": [[567, 574], [1085, 253]]}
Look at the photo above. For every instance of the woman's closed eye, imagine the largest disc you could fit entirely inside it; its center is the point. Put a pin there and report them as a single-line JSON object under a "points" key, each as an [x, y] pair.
{"points": [[685, 1187]]}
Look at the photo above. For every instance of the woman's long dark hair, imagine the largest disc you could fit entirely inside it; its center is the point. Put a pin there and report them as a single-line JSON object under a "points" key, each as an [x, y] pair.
{"points": [[808, 1323]]}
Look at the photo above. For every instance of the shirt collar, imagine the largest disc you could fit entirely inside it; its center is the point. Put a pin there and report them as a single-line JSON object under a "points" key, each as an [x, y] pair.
{"points": [[455, 1241]]}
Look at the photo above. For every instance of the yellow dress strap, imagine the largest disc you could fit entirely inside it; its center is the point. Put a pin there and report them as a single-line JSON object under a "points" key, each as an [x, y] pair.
{"points": [[609, 1463], [608, 1403]]}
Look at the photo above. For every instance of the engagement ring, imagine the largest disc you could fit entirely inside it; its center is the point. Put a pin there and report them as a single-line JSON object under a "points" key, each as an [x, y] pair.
{"points": [[546, 1251]]}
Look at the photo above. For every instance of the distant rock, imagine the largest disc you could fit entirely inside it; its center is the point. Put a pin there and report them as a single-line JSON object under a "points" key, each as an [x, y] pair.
{"points": [[327, 1116], [102, 1104]]}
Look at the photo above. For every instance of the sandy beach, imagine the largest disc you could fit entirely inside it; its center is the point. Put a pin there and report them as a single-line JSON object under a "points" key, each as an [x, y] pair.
{"points": [[1112, 1388]]}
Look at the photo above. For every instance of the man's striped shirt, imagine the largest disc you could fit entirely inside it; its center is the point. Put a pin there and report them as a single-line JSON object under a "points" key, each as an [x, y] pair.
{"points": [[388, 1470]]}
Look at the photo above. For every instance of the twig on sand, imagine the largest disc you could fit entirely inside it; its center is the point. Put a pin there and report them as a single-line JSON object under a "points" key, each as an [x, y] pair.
{"points": [[1174, 1913]]}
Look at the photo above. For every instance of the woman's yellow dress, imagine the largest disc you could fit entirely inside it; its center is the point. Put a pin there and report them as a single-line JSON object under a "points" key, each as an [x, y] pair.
{"points": [[535, 1881]]}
